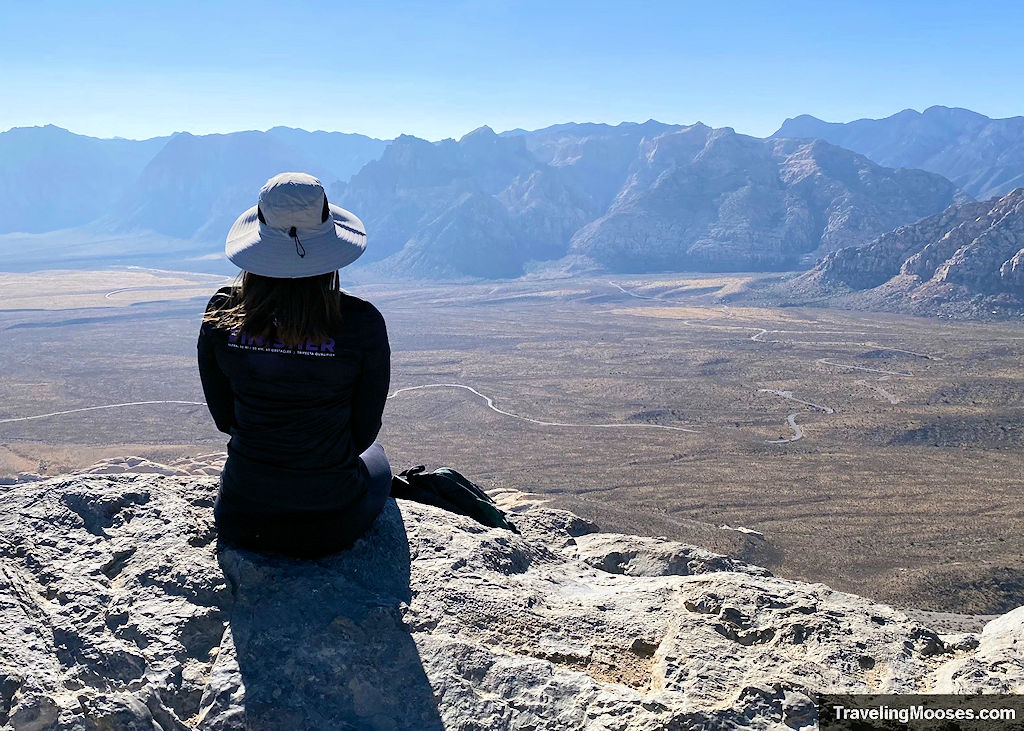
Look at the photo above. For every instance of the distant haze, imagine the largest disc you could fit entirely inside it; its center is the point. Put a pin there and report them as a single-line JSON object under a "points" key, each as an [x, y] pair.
{"points": [[574, 197], [436, 70]]}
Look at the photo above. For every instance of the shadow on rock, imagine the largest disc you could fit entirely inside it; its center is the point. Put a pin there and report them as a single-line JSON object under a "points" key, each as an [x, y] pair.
{"points": [[321, 644]]}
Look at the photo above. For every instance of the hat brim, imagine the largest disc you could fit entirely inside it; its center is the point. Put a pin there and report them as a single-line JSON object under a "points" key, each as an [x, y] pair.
{"points": [[271, 252]]}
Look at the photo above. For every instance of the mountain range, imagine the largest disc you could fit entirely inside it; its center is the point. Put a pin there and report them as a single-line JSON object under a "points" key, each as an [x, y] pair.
{"points": [[633, 197], [54, 179], [710, 199], [983, 156], [183, 186], [638, 198]]}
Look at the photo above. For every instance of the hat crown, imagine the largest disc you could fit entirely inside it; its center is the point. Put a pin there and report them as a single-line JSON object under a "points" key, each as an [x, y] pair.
{"points": [[292, 199], [294, 232]]}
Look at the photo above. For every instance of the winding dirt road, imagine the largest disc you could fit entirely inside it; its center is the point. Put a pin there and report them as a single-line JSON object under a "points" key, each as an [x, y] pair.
{"points": [[828, 362], [490, 404], [488, 401], [789, 395], [881, 391], [98, 408], [798, 432]]}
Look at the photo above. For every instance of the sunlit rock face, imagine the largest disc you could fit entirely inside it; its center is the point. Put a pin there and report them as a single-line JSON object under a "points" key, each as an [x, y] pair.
{"points": [[711, 199], [119, 610], [966, 260]]}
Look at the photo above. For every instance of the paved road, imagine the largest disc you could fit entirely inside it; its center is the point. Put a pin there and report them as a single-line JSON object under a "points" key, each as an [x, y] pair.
{"points": [[789, 395], [798, 432]]}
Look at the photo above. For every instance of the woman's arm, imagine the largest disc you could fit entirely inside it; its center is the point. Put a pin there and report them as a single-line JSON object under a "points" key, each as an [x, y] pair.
{"points": [[220, 400], [371, 390]]}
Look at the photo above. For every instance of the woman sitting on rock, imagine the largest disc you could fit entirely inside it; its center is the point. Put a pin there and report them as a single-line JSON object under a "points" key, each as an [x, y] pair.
{"points": [[297, 372]]}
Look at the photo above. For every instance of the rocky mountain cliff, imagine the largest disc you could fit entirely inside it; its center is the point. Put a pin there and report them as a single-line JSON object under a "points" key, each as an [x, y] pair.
{"points": [[119, 610], [211, 179], [966, 261], [595, 158], [626, 199], [480, 206], [342, 153], [706, 199], [983, 156]]}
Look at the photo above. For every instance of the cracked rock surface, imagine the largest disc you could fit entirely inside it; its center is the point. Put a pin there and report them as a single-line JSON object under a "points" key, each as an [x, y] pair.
{"points": [[118, 610]]}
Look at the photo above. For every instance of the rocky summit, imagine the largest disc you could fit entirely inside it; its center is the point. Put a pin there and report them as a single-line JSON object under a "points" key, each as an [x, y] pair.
{"points": [[119, 610]]}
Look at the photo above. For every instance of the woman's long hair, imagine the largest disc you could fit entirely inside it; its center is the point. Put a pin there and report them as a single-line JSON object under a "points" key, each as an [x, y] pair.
{"points": [[290, 311]]}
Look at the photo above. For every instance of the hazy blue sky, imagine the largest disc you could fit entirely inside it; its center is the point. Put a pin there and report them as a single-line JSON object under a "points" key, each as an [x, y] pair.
{"points": [[134, 68]]}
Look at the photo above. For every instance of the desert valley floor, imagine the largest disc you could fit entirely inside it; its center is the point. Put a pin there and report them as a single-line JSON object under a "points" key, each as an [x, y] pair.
{"points": [[880, 454]]}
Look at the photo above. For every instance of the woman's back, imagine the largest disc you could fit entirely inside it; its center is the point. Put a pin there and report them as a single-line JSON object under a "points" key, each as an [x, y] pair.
{"points": [[299, 417]]}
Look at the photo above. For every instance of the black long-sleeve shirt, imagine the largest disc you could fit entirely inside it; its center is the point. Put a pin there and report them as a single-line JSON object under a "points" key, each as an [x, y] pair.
{"points": [[298, 417]]}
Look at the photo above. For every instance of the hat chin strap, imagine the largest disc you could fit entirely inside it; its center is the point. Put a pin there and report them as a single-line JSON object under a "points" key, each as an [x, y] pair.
{"points": [[299, 248]]}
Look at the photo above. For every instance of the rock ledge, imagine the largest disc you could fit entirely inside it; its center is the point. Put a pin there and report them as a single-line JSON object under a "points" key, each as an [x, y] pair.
{"points": [[119, 612]]}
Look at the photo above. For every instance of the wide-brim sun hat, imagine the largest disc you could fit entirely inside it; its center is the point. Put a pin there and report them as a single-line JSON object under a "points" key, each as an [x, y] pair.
{"points": [[294, 232]]}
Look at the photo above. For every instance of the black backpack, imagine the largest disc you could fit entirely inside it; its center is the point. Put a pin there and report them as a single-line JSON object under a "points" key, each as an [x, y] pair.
{"points": [[452, 491]]}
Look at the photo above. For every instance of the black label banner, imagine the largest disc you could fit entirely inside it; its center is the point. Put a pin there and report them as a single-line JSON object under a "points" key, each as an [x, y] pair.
{"points": [[920, 712]]}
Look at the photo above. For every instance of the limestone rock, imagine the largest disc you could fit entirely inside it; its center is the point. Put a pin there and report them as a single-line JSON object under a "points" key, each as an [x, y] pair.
{"points": [[995, 663], [641, 556], [119, 610], [879, 261], [203, 464], [139, 465], [21, 477]]}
